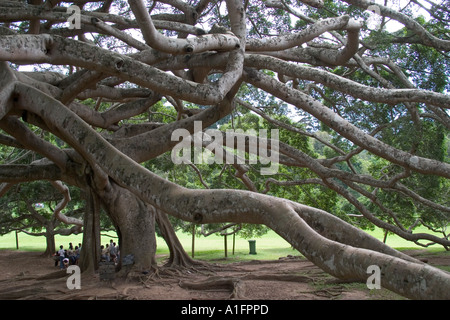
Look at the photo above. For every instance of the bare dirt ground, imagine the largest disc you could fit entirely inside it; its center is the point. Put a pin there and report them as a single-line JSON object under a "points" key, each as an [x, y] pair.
{"points": [[28, 275]]}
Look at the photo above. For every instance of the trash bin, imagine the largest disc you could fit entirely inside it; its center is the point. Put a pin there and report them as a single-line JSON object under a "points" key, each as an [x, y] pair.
{"points": [[252, 244]]}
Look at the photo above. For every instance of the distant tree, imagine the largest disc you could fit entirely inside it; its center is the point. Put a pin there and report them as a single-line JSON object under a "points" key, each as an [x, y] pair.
{"points": [[32, 207]]}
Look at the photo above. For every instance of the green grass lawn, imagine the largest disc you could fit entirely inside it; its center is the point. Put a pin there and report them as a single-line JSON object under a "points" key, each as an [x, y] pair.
{"points": [[268, 247]]}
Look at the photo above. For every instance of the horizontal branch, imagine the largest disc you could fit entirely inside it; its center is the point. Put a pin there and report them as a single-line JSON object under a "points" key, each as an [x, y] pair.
{"points": [[159, 140], [297, 38], [357, 90], [25, 173], [60, 51], [279, 3], [31, 141], [113, 116]]}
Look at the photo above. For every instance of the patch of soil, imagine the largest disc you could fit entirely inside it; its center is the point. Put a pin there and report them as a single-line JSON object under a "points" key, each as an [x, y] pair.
{"points": [[28, 275]]}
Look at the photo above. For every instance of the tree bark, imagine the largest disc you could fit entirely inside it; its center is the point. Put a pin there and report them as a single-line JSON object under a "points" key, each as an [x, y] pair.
{"points": [[135, 223], [50, 247], [90, 250]]}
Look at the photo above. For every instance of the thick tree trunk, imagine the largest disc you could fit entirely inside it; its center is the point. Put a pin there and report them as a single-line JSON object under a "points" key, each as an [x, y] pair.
{"points": [[50, 243], [90, 250], [135, 223]]}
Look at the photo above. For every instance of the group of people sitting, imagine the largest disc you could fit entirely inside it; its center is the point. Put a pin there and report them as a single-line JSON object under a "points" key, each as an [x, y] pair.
{"points": [[110, 253], [70, 256], [66, 257]]}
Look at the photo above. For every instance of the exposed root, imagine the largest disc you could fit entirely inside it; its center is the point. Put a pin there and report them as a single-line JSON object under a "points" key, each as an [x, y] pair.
{"points": [[191, 266], [235, 285], [54, 275], [279, 277], [26, 292], [156, 274], [330, 293], [197, 267]]}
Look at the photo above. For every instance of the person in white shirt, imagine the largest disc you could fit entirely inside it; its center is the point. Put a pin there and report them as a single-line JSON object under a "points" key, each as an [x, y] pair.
{"points": [[62, 255], [113, 252]]}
